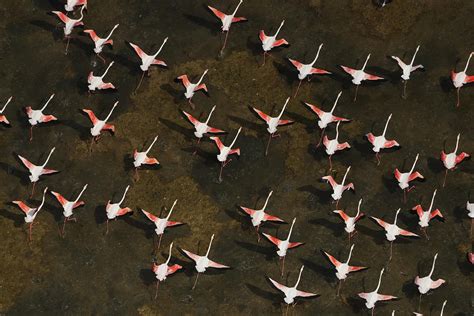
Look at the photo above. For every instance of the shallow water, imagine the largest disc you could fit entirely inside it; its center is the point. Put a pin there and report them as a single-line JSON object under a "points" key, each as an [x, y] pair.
{"points": [[89, 272]]}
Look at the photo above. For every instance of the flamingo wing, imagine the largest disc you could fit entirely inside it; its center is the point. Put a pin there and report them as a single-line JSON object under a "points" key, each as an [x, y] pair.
{"points": [[262, 115], [272, 218], [217, 13], [318, 71], [461, 157], [407, 233], [294, 244], [285, 122], [315, 109], [191, 118], [218, 142], [91, 115], [330, 180], [172, 224], [63, 17], [380, 222], [356, 268], [191, 255], [25, 208], [238, 19], [48, 171], [247, 210], [415, 175], [279, 286], [280, 42], [214, 130], [390, 144], [184, 80], [172, 269], [401, 64], [333, 260], [371, 138], [419, 210], [350, 71], [381, 297], [150, 216], [138, 50], [262, 36], [343, 215], [216, 265], [60, 198], [372, 77], [305, 294], [27, 163], [92, 34], [272, 239], [435, 213], [295, 63], [124, 211]]}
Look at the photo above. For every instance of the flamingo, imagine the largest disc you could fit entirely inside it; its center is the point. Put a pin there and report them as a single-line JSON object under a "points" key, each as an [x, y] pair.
{"points": [[36, 117], [426, 283], [392, 231], [148, 60], [452, 159], [225, 151], [259, 216], [37, 171], [113, 209], [97, 83], [99, 43], [470, 209], [326, 118], [343, 269], [283, 245], [360, 75], [71, 4], [292, 292], [68, 207], [407, 70], [69, 24], [191, 88], [227, 20], [333, 145], [273, 123], [426, 216], [100, 125], [30, 213], [405, 178], [269, 42], [338, 189], [459, 79], [3, 118], [306, 70], [349, 221], [162, 271], [380, 142], [162, 223], [373, 297], [203, 262], [141, 158], [202, 128]]}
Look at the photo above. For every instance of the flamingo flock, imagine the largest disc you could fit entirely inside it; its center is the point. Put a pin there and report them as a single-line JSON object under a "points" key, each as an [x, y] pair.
{"points": [[226, 153]]}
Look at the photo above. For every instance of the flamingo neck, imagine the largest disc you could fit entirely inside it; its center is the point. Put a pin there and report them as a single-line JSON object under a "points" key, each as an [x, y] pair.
{"points": [[80, 194], [49, 156], [279, 28], [210, 244], [124, 194], [396, 217], [202, 77], [110, 34], [210, 114], [235, 139], [161, 47], [358, 208], [337, 130], [414, 55], [335, 102], [169, 255], [414, 163], [266, 201], [442, 308], [106, 70], [317, 54], [42, 201], [467, 64], [5, 106], [283, 109], [433, 265], [432, 201], [386, 125], [235, 11], [171, 210], [111, 111], [82, 14], [47, 102], [151, 145], [380, 281], [291, 230], [457, 143], [299, 277], [345, 175], [350, 254], [366, 61]]}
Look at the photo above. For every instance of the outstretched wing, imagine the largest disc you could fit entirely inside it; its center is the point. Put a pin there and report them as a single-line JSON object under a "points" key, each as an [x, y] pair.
{"points": [[262, 115], [191, 118], [25, 161], [25, 208], [91, 115], [295, 63], [218, 142], [92, 34], [191, 255], [60, 198], [380, 222], [150, 216], [315, 109], [138, 50], [279, 286], [350, 71], [401, 64], [216, 265], [217, 13], [184, 80], [63, 17], [333, 260]]}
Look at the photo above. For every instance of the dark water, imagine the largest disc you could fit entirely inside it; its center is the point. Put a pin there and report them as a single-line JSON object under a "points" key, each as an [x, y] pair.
{"points": [[88, 272]]}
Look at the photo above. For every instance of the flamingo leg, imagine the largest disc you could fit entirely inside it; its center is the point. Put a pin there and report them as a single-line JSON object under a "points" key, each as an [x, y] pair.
{"points": [[195, 281], [373, 308], [330, 163], [33, 190], [159, 242], [191, 103], [107, 230], [391, 251], [31, 133], [101, 58], [264, 55], [377, 155], [445, 176], [220, 172], [404, 94], [419, 302], [426, 234], [258, 234], [283, 266], [30, 228], [355, 95], [225, 42], [157, 286], [137, 176], [297, 89], [404, 196], [67, 45], [457, 92], [339, 288], [268, 144], [196, 146], [64, 227], [321, 138], [140, 82]]}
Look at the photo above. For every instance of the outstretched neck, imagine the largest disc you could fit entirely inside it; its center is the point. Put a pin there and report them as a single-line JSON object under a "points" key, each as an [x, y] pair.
{"points": [[337, 130], [124, 194], [380, 281], [47, 102], [433, 266], [235, 11], [42, 201], [386, 125], [5, 106], [299, 277], [291, 229], [414, 163], [80, 194], [396, 217], [350, 254], [335, 102], [202, 77], [49, 156], [235, 139], [457, 143], [82, 13], [151, 145], [366, 61], [414, 55], [283, 109], [432, 201], [210, 244], [169, 254], [110, 34], [266, 201], [161, 47], [317, 55], [111, 111], [358, 208], [106, 70], [210, 114], [279, 28], [345, 175], [171, 210], [467, 64]]}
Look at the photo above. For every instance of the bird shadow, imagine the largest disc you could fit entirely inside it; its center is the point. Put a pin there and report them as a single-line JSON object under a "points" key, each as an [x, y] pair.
{"points": [[55, 211], [147, 276], [267, 295], [334, 227], [15, 217], [14, 171], [310, 125], [323, 196], [324, 271], [465, 266], [80, 129], [175, 127], [175, 93], [100, 215], [56, 31], [132, 67], [435, 165], [212, 26], [267, 251], [446, 84], [409, 288], [390, 183], [247, 124], [147, 228], [239, 216], [254, 47], [289, 74], [376, 235], [364, 148]]}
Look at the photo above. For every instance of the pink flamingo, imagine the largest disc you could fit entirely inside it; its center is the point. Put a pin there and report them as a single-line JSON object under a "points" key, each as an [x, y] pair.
{"points": [[113, 209], [426, 216], [100, 125], [270, 42], [97, 83], [162, 271], [71, 4], [373, 297], [99, 42], [37, 171], [338, 189], [425, 284], [343, 269], [326, 118], [349, 221], [3, 118], [225, 151], [69, 24], [259, 216], [227, 20], [36, 117], [451, 160], [273, 123], [380, 142], [360, 75], [203, 262], [333, 145], [306, 70], [141, 158], [30, 213], [405, 178], [68, 207], [407, 70], [459, 79], [191, 88]]}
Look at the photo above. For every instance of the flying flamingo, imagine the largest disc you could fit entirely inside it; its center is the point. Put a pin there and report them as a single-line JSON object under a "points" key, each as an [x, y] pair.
{"points": [[191, 88], [71, 4], [162, 271], [349, 221], [426, 283], [162, 223], [283, 245], [373, 297], [407, 70], [292, 292], [68, 207], [333, 145], [37, 171], [203, 262], [380, 142], [141, 158], [3, 118], [227, 20], [273, 123], [97, 83], [343, 269], [426, 216], [69, 24], [338, 189], [359, 75], [100, 125], [405, 178], [36, 117], [259, 216], [225, 151], [269, 42], [392, 231], [30, 213], [148, 60], [326, 118], [113, 209], [452, 159], [202, 128], [306, 70], [99, 43], [459, 79]]}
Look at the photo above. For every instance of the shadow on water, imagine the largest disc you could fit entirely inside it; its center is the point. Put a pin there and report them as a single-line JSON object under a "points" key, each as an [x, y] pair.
{"points": [[268, 251], [267, 295], [322, 270], [336, 229], [324, 196], [15, 217]]}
